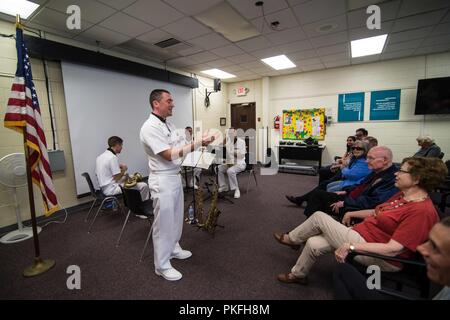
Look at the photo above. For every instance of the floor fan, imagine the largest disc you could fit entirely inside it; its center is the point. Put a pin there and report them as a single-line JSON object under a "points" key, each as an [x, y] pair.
{"points": [[13, 174]]}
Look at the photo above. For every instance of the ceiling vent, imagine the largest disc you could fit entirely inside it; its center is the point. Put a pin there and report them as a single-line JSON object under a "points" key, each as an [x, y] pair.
{"points": [[167, 43]]}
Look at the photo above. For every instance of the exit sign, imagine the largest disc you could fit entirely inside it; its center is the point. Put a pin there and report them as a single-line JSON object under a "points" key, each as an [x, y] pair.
{"points": [[241, 91]]}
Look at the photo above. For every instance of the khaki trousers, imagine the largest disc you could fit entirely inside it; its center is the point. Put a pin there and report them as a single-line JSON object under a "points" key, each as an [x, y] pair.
{"points": [[322, 234]]}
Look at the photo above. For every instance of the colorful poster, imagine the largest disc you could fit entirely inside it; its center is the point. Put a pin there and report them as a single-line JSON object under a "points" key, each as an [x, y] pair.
{"points": [[351, 107], [302, 124], [385, 105]]}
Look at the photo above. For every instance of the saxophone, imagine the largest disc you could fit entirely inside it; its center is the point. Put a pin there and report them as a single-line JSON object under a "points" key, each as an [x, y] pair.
{"points": [[131, 181], [199, 205], [213, 214]]}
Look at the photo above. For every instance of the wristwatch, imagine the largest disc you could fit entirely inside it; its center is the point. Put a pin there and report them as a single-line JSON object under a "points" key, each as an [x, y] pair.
{"points": [[352, 247]]}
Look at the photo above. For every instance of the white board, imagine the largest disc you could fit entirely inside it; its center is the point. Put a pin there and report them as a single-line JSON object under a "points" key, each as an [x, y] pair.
{"points": [[102, 103]]}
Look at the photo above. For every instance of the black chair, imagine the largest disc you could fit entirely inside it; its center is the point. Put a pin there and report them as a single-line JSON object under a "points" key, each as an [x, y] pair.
{"points": [[412, 276], [133, 201], [98, 196], [250, 169], [440, 196]]}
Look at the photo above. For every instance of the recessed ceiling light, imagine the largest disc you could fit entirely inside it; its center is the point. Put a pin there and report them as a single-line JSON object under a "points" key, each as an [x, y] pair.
{"points": [[23, 8], [368, 46], [279, 62], [218, 74]]}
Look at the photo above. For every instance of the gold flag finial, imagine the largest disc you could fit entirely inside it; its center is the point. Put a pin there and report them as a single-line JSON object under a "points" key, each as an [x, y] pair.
{"points": [[18, 24]]}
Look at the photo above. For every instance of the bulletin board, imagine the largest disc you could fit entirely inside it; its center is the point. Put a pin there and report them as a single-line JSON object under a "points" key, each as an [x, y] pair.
{"points": [[302, 124]]}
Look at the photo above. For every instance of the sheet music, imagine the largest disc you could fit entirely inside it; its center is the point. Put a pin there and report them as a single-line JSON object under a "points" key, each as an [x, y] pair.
{"points": [[198, 159]]}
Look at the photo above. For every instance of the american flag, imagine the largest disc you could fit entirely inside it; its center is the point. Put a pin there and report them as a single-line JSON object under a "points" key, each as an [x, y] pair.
{"points": [[23, 112]]}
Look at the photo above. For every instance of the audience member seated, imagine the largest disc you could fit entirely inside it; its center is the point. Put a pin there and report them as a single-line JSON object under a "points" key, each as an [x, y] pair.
{"points": [[111, 174], [356, 171], [394, 228], [350, 284], [373, 190], [361, 134], [236, 150], [326, 173], [372, 141], [427, 148]]}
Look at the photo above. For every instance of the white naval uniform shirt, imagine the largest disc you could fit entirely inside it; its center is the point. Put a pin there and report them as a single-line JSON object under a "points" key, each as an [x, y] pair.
{"points": [[238, 147], [107, 166], [157, 136]]}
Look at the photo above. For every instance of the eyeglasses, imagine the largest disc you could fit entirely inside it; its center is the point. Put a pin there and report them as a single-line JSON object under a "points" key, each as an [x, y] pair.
{"points": [[403, 171], [358, 148]]}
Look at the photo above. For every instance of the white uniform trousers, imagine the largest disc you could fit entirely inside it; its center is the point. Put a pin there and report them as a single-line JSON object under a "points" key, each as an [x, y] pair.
{"points": [[113, 189], [231, 173], [168, 209]]}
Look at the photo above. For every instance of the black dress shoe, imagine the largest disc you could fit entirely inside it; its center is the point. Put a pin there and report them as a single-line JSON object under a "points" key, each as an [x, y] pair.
{"points": [[295, 200], [290, 278]]}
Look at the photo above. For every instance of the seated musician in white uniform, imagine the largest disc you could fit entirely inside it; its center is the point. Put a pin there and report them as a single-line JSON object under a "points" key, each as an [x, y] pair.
{"points": [[236, 150], [197, 171], [111, 174]]}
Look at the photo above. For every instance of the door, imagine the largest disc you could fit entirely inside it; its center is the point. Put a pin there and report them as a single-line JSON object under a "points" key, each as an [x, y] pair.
{"points": [[243, 116]]}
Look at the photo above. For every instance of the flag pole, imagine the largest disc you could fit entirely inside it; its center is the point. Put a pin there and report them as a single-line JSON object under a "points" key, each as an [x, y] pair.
{"points": [[39, 266]]}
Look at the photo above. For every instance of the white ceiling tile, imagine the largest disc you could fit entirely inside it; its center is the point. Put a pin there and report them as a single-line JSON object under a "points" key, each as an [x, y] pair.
{"points": [[186, 28], [285, 18], [219, 63], [265, 53], [409, 35], [293, 3], [51, 30], [210, 41], [367, 59], [336, 57], [358, 18], [338, 48], [295, 46], [434, 41], [263, 69], [358, 4], [313, 67], [253, 64], [363, 32], [232, 68], [153, 12], [125, 24], [417, 21], [155, 36], [228, 51], [411, 44], [57, 21], [318, 10], [192, 7], [248, 9], [241, 58], [338, 23], [301, 55], [442, 28], [117, 4], [433, 49], [254, 44], [336, 64], [307, 62], [199, 67], [414, 7], [286, 36], [290, 71], [107, 38], [180, 62], [244, 72], [189, 51], [397, 54], [330, 39], [203, 57], [90, 10]]}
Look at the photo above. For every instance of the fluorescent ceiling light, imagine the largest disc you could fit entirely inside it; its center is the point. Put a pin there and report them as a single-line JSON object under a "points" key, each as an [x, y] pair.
{"points": [[368, 46], [279, 62], [225, 20], [219, 74], [23, 8]]}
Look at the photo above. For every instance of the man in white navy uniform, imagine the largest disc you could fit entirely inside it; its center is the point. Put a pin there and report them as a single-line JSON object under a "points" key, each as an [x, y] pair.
{"points": [[111, 174], [236, 149], [165, 147]]}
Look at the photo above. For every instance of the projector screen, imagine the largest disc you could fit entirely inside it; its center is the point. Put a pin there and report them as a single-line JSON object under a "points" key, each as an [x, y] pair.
{"points": [[102, 103]]}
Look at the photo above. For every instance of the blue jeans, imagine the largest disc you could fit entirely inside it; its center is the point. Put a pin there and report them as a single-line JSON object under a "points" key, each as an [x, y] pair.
{"points": [[334, 186]]}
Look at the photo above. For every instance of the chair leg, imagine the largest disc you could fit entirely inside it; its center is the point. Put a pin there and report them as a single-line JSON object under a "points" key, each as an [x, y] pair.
{"points": [[248, 181], [96, 214], [89, 213], [146, 242], [123, 228], [254, 176]]}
